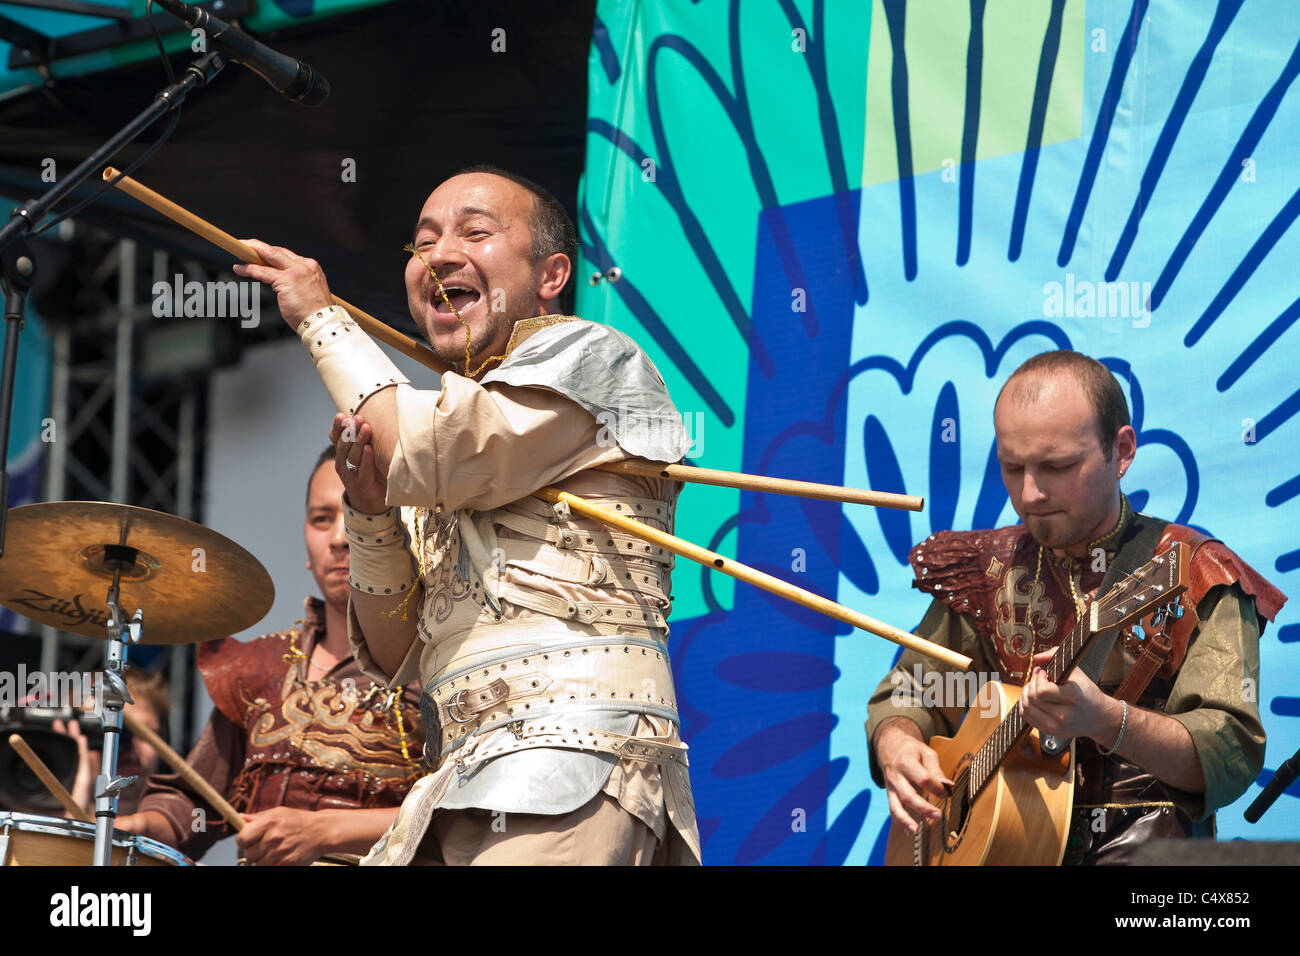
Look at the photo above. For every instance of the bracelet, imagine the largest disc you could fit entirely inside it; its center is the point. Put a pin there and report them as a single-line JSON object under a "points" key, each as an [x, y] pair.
{"points": [[1123, 726]]}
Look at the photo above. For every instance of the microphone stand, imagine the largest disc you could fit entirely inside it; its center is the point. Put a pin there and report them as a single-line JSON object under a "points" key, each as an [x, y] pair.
{"points": [[19, 267]]}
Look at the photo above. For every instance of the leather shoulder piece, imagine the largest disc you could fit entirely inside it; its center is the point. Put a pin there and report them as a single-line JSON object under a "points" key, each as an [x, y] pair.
{"points": [[1214, 563], [231, 669], [959, 566]]}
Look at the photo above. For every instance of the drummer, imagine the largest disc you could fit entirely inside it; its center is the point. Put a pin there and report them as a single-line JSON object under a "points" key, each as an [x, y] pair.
{"points": [[314, 754]]}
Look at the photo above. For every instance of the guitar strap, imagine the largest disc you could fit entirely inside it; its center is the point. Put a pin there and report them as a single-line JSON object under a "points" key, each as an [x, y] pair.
{"points": [[1136, 546]]}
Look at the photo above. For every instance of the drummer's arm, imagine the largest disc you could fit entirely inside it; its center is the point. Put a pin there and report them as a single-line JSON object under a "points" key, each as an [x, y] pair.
{"points": [[151, 824], [188, 822], [284, 836]]}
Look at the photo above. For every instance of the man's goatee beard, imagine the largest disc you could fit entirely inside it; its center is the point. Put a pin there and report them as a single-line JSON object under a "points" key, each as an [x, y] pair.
{"points": [[454, 355]]}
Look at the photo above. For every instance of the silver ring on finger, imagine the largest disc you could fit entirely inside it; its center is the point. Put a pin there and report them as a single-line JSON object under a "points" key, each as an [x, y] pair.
{"points": [[351, 467]]}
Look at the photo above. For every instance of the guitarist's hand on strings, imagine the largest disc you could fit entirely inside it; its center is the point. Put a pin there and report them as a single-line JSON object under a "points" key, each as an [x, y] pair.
{"points": [[1074, 708], [909, 766]]}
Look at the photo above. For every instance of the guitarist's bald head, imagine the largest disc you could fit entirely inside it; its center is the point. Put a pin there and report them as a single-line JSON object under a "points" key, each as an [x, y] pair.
{"points": [[1029, 384]]}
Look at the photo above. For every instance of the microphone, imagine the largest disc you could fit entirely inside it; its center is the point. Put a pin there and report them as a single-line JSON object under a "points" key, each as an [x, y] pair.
{"points": [[1282, 779], [293, 78]]}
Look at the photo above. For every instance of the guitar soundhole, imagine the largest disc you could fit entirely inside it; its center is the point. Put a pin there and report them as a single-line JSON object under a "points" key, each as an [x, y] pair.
{"points": [[956, 809]]}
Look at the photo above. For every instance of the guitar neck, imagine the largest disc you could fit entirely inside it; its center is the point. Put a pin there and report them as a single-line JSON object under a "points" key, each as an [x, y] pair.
{"points": [[1013, 728]]}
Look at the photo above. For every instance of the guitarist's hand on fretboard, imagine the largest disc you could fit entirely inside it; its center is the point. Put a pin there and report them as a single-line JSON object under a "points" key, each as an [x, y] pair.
{"points": [[910, 767], [1074, 708]]}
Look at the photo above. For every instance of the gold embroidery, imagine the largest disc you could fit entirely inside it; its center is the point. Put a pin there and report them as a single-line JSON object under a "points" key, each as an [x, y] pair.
{"points": [[525, 326], [1025, 616], [322, 721]]}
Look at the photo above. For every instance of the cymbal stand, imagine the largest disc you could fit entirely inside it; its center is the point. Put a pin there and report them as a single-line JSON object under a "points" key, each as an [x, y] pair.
{"points": [[111, 694]]}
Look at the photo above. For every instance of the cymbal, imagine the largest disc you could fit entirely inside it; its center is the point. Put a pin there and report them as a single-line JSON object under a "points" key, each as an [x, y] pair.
{"points": [[193, 583]]}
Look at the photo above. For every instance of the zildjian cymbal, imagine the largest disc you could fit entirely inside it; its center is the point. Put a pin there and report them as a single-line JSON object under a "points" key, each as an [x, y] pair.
{"points": [[192, 583]]}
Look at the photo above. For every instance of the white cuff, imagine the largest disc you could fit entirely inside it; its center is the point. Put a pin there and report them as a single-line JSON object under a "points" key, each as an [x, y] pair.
{"points": [[348, 361], [378, 560]]}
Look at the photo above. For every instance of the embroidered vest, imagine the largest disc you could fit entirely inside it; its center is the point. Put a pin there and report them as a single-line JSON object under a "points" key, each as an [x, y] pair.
{"points": [[310, 745]]}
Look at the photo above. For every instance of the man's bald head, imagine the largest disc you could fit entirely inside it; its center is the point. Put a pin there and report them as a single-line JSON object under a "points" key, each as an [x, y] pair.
{"points": [[1033, 380]]}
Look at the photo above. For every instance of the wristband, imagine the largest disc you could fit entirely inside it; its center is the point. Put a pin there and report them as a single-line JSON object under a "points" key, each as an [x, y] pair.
{"points": [[378, 561], [348, 361]]}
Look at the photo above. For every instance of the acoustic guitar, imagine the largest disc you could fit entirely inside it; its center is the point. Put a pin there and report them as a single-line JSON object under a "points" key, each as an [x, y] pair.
{"points": [[1011, 802]]}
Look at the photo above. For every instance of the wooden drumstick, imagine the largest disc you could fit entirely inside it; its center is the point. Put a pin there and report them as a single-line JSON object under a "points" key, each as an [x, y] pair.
{"points": [[192, 777], [224, 240], [47, 777], [767, 582], [777, 486], [188, 773]]}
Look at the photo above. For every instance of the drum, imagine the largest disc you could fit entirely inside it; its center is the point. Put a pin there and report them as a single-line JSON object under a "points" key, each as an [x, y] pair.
{"points": [[331, 859], [29, 840]]}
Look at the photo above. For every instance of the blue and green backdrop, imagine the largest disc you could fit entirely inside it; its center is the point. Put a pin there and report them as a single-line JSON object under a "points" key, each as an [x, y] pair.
{"points": [[839, 226]]}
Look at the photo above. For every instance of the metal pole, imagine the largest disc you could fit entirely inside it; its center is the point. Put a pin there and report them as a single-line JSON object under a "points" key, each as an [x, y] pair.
{"points": [[180, 653], [56, 463], [119, 483]]}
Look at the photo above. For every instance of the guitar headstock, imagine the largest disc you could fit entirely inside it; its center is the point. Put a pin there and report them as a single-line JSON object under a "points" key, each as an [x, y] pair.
{"points": [[1157, 582]]}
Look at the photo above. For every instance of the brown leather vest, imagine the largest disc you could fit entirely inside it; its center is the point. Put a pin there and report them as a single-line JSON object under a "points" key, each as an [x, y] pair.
{"points": [[1016, 604], [1020, 606], [311, 745]]}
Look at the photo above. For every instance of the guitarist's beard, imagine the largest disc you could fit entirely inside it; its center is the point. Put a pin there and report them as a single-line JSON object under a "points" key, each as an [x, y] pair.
{"points": [[1061, 531], [1054, 531]]}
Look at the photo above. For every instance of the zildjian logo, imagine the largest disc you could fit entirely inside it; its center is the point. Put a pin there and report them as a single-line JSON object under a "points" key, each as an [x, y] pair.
{"points": [[71, 611]]}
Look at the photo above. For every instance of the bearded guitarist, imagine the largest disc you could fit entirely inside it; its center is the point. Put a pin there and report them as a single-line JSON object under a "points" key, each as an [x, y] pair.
{"points": [[1166, 725]]}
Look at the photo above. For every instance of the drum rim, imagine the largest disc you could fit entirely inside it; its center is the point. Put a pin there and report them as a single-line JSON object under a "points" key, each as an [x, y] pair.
{"points": [[81, 830]]}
